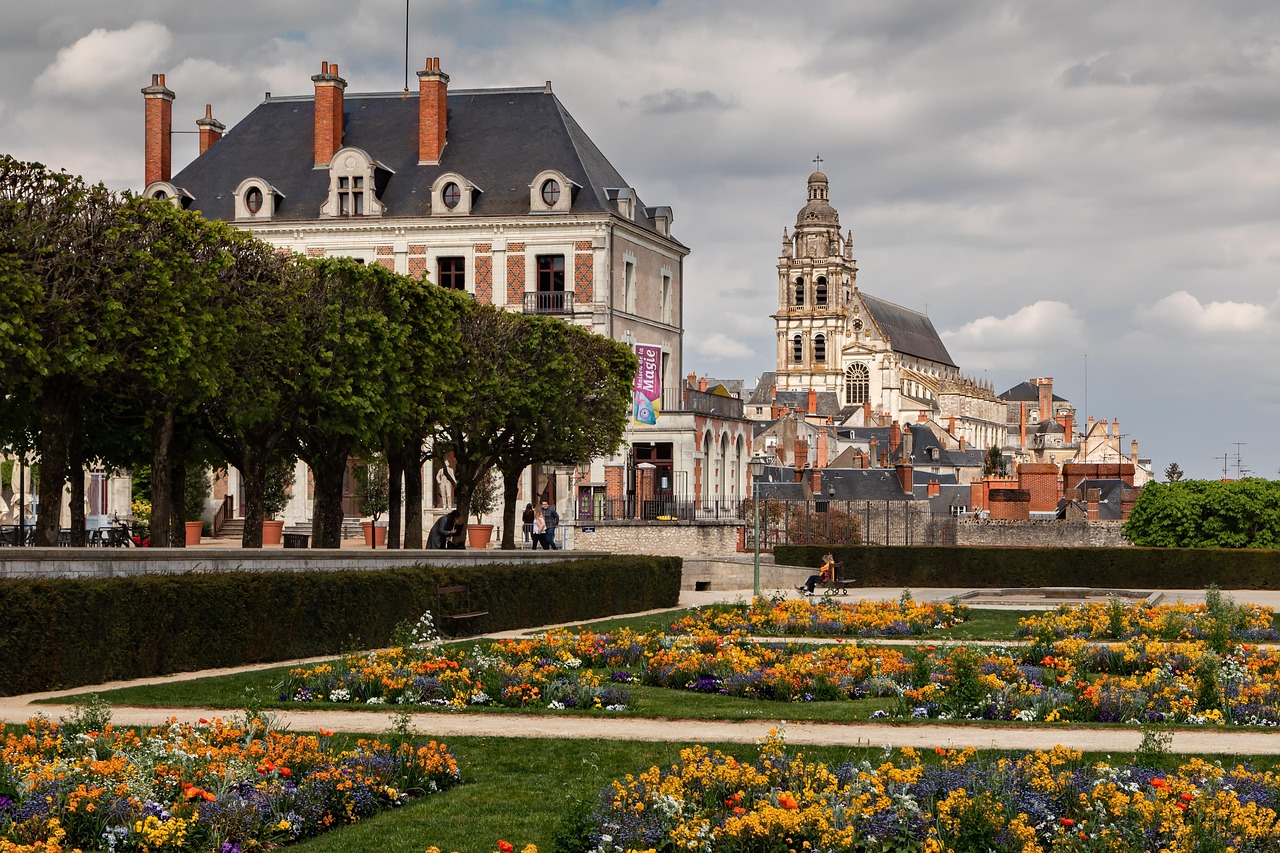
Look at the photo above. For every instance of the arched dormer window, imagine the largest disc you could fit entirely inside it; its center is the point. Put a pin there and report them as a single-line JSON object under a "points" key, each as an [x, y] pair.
{"points": [[820, 348], [820, 291], [857, 385], [356, 181], [799, 292], [797, 349], [165, 191], [452, 195], [255, 199], [551, 192]]}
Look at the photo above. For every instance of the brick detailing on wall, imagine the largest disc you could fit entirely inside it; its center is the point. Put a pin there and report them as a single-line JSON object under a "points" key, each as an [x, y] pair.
{"points": [[384, 250], [583, 272], [315, 252], [328, 112], [515, 273], [1010, 504], [158, 124], [614, 482], [484, 278], [1041, 481], [387, 263]]}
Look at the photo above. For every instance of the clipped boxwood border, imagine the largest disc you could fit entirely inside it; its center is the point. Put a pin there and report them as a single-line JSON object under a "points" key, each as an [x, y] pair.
{"points": [[991, 567], [59, 633]]}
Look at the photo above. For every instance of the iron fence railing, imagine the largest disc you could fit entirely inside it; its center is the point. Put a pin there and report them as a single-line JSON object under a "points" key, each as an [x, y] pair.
{"points": [[549, 302]]}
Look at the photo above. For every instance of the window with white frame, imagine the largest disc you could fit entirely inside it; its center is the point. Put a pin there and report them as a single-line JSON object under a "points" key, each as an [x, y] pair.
{"points": [[668, 309], [452, 195], [629, 286], [857, 384], [353, 185]]}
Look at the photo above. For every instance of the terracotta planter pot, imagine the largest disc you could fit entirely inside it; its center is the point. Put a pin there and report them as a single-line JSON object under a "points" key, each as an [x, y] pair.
{"points": [[478, 535], [194, 529], [272, 531], [374, 537]]}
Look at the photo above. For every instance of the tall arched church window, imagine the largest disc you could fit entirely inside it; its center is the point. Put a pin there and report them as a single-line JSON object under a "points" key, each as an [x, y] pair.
{"points": [[857, 384], [797, 349], [820, 291], [820, 348], [799, 292]]}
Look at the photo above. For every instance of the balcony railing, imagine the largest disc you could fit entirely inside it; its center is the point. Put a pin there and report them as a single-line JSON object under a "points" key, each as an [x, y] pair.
{"points": [[700, 402], [549, 302]]}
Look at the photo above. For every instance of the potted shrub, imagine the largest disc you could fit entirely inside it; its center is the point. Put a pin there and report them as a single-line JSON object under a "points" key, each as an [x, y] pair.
{"points": [[195, 496], [275, 497], [372, 500], [484, 500]]}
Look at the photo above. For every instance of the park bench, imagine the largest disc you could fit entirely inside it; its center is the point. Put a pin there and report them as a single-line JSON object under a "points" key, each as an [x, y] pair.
{"points": [[839, 583], [453, 607]]}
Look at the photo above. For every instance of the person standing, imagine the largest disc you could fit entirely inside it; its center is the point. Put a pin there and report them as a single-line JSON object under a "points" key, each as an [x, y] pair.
{"points": [[539, 529], [552, 519], [527, 521], [443, 531]]}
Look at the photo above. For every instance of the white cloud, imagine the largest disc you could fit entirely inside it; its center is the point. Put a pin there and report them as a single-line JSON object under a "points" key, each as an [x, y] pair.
{"points": [[105, 61], [1182, 312], [1038, 322], [719, 347]]}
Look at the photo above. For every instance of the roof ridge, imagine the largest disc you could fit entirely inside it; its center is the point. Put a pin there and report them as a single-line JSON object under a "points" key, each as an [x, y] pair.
{"points": [[501, 90]]}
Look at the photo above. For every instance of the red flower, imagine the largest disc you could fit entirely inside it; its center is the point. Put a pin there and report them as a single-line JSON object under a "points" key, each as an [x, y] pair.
{"points": [[1159, 783], [286, 772], [505, 846], [1187, 796], [1066, 821], [739, 810], [788, 802]]}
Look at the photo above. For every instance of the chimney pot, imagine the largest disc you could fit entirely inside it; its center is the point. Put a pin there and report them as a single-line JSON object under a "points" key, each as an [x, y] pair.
{"points": [[158, 131], [328, 113], [433, 112]]}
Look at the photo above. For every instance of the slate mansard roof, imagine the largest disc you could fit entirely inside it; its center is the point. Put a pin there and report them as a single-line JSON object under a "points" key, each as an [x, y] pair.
{"points": [[498, 139], [909, 331]]}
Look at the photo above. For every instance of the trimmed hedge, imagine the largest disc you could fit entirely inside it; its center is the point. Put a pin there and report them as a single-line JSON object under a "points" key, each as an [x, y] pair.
{"points": [[993, 568], [69, 633]]}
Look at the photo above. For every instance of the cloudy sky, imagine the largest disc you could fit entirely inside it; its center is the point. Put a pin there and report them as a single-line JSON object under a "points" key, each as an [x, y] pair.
{"points": [[1085, 190]]}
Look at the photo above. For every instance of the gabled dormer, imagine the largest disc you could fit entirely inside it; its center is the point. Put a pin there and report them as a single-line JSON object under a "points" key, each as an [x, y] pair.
{"points": [[257, 200], [452, 195], [625, 199], [551, 192], [356, 182]]}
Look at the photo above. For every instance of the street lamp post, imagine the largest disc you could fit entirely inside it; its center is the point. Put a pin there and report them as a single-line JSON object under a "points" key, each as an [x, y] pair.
{"points": [[756, 465]]}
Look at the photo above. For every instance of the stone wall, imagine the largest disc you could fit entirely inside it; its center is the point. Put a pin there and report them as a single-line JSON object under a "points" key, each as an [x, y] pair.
{"points": [[124, 562], [1035, 533], [679, 539]]}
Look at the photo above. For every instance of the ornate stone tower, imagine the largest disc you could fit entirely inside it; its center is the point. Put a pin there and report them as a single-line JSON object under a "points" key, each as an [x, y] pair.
{"points": [[817, 279]]}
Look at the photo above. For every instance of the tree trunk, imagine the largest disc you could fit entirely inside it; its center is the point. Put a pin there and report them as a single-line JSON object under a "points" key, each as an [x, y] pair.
{"points": [[177, 512], [57, 415], [75, 474], [162, 502], [253, 471], [413, 494], [395, 492], [510, 483], [328, 468]]}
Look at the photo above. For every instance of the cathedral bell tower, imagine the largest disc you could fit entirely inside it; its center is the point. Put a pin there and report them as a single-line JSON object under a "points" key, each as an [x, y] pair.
{"points": [[817, 278]]}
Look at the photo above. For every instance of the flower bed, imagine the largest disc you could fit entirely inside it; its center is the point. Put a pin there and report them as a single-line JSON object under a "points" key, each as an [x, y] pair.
{"points": [[826, 617], [1115, 620], [211, 786], [1039, 801]]}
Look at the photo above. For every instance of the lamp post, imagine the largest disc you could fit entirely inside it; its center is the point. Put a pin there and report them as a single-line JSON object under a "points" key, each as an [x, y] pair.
{"points": [[756, 465]]}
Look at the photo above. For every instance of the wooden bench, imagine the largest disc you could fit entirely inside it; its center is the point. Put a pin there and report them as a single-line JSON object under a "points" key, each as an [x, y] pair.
{"points": [[453, 606], [839, 583]]}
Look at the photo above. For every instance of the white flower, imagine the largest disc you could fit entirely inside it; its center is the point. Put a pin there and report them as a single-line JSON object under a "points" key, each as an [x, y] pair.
{"points": [[480, 698], [376, 700], [340, 694], [555, 705]]}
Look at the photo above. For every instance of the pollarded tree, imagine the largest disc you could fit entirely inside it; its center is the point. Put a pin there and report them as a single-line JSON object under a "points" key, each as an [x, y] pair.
{"points": [[579, 413]]}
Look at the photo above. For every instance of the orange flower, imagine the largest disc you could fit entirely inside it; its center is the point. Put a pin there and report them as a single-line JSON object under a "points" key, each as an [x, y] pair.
{"points": [[788, 802], [1159, 783], [940, 750], [505, 846], [325, 733], [1187, 796], [739, 810], [1066, 821]]}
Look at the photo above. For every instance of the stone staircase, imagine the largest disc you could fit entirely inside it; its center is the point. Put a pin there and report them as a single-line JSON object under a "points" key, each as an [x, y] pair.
{"points": [[232, 528]]}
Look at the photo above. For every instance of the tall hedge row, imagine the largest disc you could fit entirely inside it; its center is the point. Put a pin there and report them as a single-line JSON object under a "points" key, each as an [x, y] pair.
{"points": [[68, 633], [1110, 568]]}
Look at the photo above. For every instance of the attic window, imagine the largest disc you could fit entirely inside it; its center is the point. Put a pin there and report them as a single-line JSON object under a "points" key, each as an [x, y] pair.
{"points": [[253, 200], [451, 195], [256, 199], [160, 194], [550, 192], [351, 196], [355, 180]]}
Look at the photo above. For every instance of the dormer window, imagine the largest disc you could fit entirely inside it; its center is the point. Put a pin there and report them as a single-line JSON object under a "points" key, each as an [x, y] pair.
{"points": [[256, 199], [356, 181], [165, 191], [551, 192], [452, 195]]}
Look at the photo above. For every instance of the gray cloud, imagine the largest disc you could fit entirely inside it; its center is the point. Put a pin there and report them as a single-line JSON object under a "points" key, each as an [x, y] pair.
{"points": [[670, 101]]}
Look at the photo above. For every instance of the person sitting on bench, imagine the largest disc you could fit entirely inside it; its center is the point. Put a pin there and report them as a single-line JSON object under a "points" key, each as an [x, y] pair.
{"points": [[825, 575]]}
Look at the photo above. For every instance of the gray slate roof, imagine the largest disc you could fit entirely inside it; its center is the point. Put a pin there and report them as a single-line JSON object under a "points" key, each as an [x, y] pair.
{"points": [[1027, 392], [909, 331], [498, 139]]}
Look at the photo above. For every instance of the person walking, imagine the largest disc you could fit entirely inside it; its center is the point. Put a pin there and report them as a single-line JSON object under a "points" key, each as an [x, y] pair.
{"points": [[527, 521], [552, 519], [539, 529]]}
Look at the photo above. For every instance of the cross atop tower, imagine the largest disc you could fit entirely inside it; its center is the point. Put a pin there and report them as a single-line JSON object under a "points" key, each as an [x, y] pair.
{"points": [[817, 161]]}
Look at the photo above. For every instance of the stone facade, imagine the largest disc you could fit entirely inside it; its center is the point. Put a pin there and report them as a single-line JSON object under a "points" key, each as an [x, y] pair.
{"points": [[693, 539], [1043, 534]]}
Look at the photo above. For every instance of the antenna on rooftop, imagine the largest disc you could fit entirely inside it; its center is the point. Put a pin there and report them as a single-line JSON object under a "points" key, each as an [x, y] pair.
{"points": [[406, 46]]}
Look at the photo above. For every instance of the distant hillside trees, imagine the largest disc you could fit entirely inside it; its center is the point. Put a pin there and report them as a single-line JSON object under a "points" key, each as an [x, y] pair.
{"points": [[1207, 514]]}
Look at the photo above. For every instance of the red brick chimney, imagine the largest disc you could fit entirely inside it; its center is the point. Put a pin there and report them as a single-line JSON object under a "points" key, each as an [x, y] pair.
{"points": [[866, 415], [903, 470], [823, 449], [895, 437], [963, 442], [951, 424], [329, 89], [211, 129], [922, 418], [433, 112], [1045, 384], [1092, 496], [159, 129], [935, 488], [702, 384], [813, 402]]}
